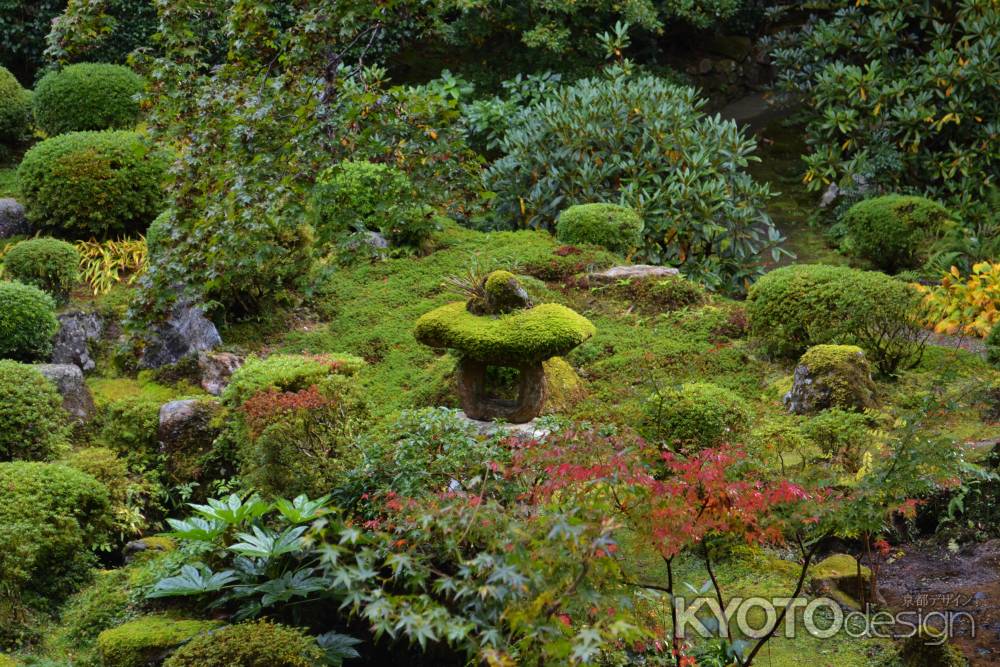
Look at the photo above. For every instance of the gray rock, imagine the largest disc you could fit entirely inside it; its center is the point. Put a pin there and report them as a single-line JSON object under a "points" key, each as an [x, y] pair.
{"points": [[68, 380], [71, 345], [187, 331], [13, 221], [704, 66], [831, 376], [829, 195], [132, 549], [216, 369], [186, 433], [632, 271]]}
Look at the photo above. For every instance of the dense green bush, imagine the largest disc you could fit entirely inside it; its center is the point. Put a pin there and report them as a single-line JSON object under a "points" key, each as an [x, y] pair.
{"points": [[129, 497], [913, 78], [295, 442], [15, 109], [617, 228], [285, 373], [644, 141], [50, 265], [993, 346], [33, 424], [358, 196], [87, 96], [104, 603], [99, 184], [51, 520], [23, 26], [423, 452], [840, 434], [147, 639], [250, 644], [895, 232], [128, 426], [796, 307], [27, 322], [697, 414]]}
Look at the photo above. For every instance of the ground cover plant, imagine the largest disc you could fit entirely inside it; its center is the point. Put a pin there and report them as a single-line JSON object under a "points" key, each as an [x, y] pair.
{"points": [[265, 320]]}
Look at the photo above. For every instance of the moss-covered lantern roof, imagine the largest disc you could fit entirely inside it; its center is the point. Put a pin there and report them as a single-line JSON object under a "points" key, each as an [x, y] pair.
{"points": [[523, 336]]}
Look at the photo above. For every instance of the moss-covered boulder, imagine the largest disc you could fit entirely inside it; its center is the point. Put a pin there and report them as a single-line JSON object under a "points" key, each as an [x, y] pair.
{"points": [[831, 376], [836, 577], [928, 648], [148, 640]]}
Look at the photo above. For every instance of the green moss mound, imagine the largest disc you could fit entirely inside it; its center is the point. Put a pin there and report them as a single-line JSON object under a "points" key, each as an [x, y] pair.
{"points": [[49, 264], [33, 424], [145, 640], [617, 228], [250, 644], [286, 373], [524, 336], [92, 184], [895, 232], [697, 414], [15, 109], [795, 307], [88, 96], [27, 322]]}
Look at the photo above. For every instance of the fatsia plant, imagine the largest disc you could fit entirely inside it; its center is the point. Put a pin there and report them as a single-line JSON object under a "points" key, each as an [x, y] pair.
{"points": [[637, 139]]}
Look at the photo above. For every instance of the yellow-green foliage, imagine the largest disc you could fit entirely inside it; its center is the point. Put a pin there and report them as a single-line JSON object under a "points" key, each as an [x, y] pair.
{"points": [[927, 648], [969, 305], [535, 334], [250, 644], [104, 264], [286, 372], [27, 322], [617, 228], [7, 661], [138, 642], [101, 605], [844, 372], [15, 109], [87, 96]]}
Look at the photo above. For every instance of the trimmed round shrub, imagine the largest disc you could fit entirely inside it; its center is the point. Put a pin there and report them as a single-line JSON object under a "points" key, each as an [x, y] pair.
{"points": [[92, 184], [15, 109], [87, 96], [698, 414], [359, 196], [993, 346], [285, 373], [27, 322], [51, 519], [795, 307], [249, 644], [33, 424], [50, 265], [617, 228], [895, 232]]}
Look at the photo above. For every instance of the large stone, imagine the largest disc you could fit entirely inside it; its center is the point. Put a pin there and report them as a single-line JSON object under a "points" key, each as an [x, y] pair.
{"points": [[186, 434], [831, 376], [216, 368], [68, 380], [478, 404], [72, 343], [526, 431], [13, 221], [632, 272], [187, 331], [836, 577]]}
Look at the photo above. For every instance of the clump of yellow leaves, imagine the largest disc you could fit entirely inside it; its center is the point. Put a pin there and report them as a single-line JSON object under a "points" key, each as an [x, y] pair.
{"points": [[968, 305]]}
